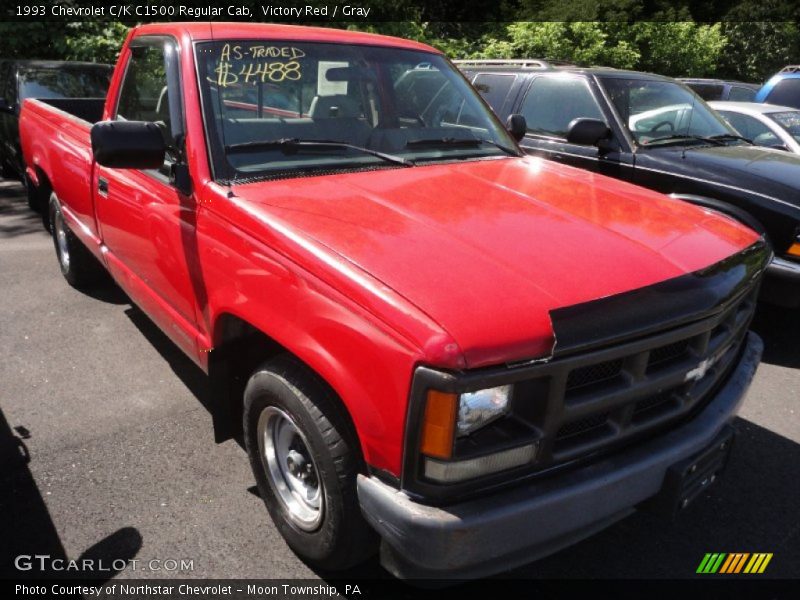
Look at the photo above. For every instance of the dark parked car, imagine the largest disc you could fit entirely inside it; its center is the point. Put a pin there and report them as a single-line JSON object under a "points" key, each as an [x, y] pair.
{"points": [[719, 89], [21, 79], [655, 132]]}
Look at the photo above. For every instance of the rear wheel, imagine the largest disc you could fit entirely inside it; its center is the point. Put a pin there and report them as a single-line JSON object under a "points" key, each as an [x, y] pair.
{"points": [[77, 264], [32, 193], [305, 458]]}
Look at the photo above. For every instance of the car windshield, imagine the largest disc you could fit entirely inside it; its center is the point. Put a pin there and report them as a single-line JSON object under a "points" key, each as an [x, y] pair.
{"points": [[658, 112], [278, 109], [789, 120], [64, 83]]}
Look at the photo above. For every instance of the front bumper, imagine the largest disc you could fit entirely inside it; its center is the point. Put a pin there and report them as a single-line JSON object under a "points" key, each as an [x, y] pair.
{"points": [[498, 532], [781, 286]]}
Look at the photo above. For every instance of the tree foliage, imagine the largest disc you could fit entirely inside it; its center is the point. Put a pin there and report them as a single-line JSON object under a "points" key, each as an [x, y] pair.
{"points": [[747, 39]]}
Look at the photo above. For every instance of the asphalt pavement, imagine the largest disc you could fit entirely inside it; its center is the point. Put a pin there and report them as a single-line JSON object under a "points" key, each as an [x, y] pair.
{"points": [[107, 449]]}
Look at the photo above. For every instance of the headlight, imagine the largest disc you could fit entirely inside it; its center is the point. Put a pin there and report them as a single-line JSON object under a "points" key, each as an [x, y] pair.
{"points": [[448, 416], [480, 408]]}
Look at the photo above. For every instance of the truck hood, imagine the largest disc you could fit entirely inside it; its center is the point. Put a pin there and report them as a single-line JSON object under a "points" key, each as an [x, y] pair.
{"points": [[765, 170], [488, 248]]}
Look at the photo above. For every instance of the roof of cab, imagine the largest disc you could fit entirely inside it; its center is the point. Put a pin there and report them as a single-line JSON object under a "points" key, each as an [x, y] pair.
{"points": [[469, 66], [207, 31], [750, 108]]}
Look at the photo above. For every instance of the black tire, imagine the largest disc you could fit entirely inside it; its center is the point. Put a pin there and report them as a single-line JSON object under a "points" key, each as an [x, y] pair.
{"points": [[342, 537], [78, 266], [33, 194]]}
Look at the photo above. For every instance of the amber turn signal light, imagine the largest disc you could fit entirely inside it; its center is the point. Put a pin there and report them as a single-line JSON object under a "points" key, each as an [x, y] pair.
{"points": [[438, 424], [794, 249]]}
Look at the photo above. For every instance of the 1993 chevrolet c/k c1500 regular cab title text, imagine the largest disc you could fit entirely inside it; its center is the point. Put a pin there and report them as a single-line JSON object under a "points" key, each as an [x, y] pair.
{"points": [[437, 346]]}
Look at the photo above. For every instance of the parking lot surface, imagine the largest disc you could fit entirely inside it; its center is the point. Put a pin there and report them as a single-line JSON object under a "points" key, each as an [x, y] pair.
{"points": [[107, 448]]}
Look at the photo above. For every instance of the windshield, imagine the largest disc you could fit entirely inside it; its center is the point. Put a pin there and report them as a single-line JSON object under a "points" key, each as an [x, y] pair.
{"points": [[268, 106], [660, 111], [64, 83], [789, 120]]}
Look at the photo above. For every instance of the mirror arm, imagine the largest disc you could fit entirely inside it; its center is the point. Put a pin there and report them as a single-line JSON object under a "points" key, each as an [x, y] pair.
{"points": [[180, 177], [606, 145]]}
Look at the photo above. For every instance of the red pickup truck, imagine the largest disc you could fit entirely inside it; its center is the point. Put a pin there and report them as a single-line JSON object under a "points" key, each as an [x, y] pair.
{"points": [[434, 343]]}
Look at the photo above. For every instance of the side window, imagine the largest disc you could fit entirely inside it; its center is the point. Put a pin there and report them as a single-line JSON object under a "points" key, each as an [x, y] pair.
{"points": [[708, 91], [752, 129], [494, 88], [738, 122], [741, 94], [143, 95], [785, 93], [553, 102]]}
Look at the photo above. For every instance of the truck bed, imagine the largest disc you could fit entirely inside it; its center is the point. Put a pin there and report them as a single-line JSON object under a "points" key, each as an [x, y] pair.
{"points": [[55, 140]]}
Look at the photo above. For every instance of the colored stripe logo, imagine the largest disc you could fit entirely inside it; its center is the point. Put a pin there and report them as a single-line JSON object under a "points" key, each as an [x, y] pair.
{"points": [[735, 562]]}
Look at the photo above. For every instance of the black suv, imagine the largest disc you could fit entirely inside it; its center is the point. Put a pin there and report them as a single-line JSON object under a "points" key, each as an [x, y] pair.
{"points": [[655, 132]]}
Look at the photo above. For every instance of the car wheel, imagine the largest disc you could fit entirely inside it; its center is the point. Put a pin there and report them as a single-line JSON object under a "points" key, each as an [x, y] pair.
{"points": [[305, 457], [78, 266], [32, 194]]}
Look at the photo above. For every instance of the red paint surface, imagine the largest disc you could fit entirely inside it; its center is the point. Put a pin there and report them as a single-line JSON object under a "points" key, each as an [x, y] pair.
{"points": [[365, 275]]}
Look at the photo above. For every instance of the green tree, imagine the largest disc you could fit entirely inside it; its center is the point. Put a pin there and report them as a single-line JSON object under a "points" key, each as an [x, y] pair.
{"points": [[679, 48], [94, 41], [583, 42]]}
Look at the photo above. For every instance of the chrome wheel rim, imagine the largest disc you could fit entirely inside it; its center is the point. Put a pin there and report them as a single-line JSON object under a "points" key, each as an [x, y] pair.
{"points": [[61, 241], [290, 468]]}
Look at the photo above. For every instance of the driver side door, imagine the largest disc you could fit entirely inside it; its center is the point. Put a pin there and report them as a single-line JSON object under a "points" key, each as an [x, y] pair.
{"points": [[550, 104], [147, 223]]}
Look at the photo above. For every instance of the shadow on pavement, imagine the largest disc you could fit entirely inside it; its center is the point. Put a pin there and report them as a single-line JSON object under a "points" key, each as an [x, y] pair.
{"points": [[752, 509], [780, 330], [13, 204], [190, 374], [27, 530]]}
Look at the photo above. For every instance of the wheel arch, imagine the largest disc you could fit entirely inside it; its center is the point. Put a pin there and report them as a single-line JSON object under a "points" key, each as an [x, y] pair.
{"points": [[726, 208], [39, 188], [239, 347]]}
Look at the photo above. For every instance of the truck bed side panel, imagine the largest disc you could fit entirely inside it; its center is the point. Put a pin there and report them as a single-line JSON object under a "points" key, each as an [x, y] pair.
{"points": [[57, 146]]}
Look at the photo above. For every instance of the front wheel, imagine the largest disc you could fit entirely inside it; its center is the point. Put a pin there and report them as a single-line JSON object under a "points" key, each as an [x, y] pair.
{"points": [[305, 458]]}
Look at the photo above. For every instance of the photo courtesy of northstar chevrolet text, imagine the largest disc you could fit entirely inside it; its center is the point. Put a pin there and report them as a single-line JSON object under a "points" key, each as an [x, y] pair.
{"points": [[313, 299]]}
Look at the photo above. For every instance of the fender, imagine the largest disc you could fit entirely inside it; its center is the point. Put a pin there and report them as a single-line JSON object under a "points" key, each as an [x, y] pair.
{"points": [[725, 208]]}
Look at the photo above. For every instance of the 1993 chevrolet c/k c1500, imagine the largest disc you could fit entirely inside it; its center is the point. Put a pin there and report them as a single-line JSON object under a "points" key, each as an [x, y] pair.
{"points": [[435, 344]]}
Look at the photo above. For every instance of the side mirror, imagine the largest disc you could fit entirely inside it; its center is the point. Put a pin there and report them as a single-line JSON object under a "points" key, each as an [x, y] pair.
{"points": [[128, 144], [587, 132], [5, 106], [516, 126]]}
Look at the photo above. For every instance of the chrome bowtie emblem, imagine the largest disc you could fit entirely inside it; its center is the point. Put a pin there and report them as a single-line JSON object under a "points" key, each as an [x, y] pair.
{"points": [[700, 370]]}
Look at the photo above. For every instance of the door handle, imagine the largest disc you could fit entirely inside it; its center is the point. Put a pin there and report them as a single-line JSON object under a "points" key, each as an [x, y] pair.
{"points": [[102, 186]]}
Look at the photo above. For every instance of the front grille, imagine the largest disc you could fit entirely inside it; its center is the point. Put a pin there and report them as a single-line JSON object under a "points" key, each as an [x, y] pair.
{"points": [[579, 405], [592, 375], [582, 426], [669, 353]]}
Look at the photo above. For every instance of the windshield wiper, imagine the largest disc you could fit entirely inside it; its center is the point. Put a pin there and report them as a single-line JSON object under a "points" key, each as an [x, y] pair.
{"points": [[730, 136], [289, 145], [458, 142], [684, 137]]}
